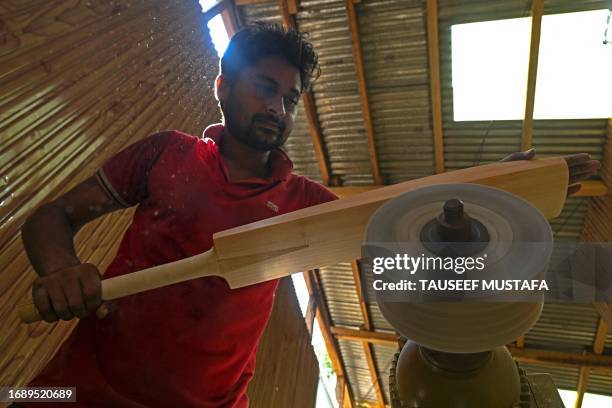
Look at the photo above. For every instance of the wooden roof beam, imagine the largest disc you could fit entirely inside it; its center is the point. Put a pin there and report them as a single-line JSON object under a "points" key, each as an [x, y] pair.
{"points": [[363, 90], [605, 311], [433, 50], [309, 106], [600, 337], [384, 339], [592, 360], [313, 285], [367, 347], [537, 9]]}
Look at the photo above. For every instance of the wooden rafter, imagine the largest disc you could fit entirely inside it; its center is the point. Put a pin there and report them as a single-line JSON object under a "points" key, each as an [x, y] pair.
{"points": [[590, 188], [309, 108], [384, 339], [313, 285], [311, 313], [593, 361], [600, 337], [363, 90], [230, 18], [598, 346], [292, 7], [605, 311], [433, 49], [583, 379], [367, 347], [537, 8]]}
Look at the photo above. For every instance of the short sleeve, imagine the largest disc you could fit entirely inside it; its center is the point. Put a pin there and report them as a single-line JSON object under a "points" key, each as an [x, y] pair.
{"points": [[320, 194], [125, 175]]}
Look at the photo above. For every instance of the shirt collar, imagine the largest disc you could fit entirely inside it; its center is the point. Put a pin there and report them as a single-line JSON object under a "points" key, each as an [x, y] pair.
{"points": [[280, 163]]}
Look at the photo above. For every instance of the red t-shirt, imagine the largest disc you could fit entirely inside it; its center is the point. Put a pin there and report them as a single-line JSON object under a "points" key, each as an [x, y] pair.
{"points": [[192, 343]]}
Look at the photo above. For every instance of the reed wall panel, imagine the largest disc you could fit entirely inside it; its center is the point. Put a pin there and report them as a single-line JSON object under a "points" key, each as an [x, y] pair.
{"points": [[287, 370], [78, 82]]}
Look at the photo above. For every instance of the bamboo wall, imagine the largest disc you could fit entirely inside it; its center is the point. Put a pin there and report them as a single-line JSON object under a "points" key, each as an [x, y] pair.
{"points": [[287, 370], [78, 82]]}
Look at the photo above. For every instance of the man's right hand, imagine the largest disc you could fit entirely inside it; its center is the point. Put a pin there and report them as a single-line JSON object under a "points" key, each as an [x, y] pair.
{"points": [[71, 292]]}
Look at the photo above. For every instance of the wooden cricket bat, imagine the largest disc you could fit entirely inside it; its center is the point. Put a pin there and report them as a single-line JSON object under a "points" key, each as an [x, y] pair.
{"points": [[326, 234]]}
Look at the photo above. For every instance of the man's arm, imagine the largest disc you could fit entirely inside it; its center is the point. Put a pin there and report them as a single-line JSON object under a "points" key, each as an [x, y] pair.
{"points": [[66, 288], [581, 167]]}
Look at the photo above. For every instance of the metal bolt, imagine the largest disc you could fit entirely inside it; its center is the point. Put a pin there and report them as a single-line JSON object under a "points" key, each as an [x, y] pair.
{"points": [[453, 211]]}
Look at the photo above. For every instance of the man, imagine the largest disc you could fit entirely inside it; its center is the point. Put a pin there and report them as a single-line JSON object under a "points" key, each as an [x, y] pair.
{"points": [[194, 343]]}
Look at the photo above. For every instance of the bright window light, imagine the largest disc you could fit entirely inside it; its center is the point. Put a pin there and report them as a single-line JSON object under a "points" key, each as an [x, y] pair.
{"points": [[218, 33], [490, 63], [301, 291], [589, 400], [326, 373], [208, 4], [568, 397]]}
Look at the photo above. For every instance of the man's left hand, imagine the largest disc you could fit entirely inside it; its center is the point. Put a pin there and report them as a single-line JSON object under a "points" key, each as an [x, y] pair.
{"points": [[580, 166]]}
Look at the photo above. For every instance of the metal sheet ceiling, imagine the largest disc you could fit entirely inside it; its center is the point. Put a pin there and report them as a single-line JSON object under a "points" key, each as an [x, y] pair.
{"points": [[336, 92], [395, 61]]}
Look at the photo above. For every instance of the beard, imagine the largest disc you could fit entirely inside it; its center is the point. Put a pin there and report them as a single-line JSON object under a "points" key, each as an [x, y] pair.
{"points": [[264, 132]]}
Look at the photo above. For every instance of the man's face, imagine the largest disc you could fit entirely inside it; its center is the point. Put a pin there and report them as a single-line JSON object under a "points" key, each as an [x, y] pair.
{"points": [[260, 105]]}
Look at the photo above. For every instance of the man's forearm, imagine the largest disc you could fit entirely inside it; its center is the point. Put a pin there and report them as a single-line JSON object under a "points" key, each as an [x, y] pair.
{"points": [[47, 237]]}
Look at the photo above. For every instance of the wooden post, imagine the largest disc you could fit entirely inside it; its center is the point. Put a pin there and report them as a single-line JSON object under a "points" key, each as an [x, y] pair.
{"points": [[598, 346], [582, 384], [311, 313], [367, 347], [537, 8], [433, 49]]}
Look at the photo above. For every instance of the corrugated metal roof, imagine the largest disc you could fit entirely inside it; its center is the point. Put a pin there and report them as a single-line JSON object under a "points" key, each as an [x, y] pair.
{"points": [[568, 225], [599, 383], [395, 60], [568, 327], [482, 10], [383, 356], [265, 11], [336, 91], [357, 371], [339, 290]]}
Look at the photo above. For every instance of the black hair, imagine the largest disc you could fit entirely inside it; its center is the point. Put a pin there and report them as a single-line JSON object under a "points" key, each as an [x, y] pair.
{"points": [[260, 40]]}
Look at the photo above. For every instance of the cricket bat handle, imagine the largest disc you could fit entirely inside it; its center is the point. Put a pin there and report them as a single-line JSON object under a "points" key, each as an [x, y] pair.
{"points": [[197, 266]]}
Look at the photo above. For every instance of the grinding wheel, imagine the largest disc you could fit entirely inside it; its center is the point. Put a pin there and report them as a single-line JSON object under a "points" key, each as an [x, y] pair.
{"points": [[519, 246]]}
